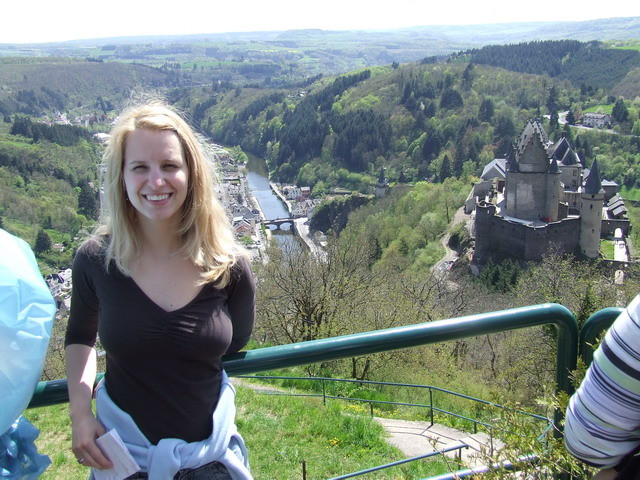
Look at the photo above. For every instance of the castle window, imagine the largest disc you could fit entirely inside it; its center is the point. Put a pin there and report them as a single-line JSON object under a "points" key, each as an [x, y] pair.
{"points": [[591, 207]]}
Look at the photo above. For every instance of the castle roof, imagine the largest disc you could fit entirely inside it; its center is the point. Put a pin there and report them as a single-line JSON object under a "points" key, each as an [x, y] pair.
{"points": [[593, 184], [494, 169], [563, 153], [533, 129], [616, 206]]}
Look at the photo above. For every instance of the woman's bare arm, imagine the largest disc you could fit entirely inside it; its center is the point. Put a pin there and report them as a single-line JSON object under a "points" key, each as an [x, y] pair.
{"points": [[81, 374]]}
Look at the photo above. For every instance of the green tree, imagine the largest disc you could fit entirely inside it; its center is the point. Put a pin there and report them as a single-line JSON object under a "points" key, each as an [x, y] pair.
{"points": [[88, 204], [620, 112], [445, 169], [486, 110], [467, 76], [43, 242]]}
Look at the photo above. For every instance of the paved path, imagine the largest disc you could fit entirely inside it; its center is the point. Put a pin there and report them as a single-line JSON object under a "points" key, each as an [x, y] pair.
{"points": [[416, 438]]}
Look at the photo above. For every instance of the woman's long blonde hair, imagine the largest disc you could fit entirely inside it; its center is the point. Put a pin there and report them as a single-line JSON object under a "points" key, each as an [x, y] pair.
{"points": [[204, 229]]}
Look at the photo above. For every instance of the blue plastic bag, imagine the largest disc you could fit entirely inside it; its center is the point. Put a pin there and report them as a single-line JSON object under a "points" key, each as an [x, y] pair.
{"points": [[27, 310], [19, 458]]}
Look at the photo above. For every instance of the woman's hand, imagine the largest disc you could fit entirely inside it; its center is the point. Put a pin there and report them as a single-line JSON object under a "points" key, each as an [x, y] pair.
{"points": [[86, 429]]}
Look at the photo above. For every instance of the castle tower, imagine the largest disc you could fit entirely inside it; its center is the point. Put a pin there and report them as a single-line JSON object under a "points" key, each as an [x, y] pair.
{"points": [[533, 184], [591, 201], [382, 186], [553, 190]]}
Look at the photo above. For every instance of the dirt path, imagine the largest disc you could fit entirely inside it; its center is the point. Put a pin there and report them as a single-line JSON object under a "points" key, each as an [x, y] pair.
{"points": [[450, 256]]}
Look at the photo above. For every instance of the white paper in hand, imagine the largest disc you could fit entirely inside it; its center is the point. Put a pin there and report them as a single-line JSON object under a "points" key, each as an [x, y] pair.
{"points": [[113, 448]]}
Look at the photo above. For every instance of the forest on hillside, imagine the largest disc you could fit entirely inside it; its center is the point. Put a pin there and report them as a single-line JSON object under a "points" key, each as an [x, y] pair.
{"points": [[427, 120], [587, 65]]}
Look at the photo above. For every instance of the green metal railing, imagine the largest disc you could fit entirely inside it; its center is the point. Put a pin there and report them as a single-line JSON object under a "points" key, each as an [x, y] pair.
{"points": [[432, 408], [304, 353]]}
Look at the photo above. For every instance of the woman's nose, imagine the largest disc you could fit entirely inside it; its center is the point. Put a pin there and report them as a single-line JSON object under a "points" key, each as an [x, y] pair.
{"points": [[157, 177]]}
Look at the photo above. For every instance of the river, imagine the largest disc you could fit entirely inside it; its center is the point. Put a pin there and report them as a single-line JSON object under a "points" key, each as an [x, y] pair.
{"points": [[271, 205]]}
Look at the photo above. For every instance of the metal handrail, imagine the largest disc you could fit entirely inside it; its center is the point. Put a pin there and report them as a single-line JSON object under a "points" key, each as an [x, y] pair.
{"points": [[470, 472], [303, 353], [402, 462], [390, 384], [476, 422]]}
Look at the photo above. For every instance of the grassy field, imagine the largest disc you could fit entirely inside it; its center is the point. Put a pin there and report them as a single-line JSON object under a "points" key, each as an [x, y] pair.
{"points": [[607, 249], [280, 432]]}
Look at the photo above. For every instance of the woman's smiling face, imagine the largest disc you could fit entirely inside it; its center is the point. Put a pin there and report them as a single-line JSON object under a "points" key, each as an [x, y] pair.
{"points": [[156, 176]]}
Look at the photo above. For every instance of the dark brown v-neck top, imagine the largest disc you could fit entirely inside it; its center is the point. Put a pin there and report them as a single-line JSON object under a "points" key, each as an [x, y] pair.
{"points": [[163, 368]]}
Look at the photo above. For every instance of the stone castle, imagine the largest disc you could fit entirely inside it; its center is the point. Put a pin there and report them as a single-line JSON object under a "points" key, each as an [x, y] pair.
{"points": [[542, 196]]}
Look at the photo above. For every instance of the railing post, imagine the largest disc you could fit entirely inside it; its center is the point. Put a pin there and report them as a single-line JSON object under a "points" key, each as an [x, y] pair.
{"points": [[431, 405], [324, 394], [371, 408], [491, 440], [592, 328]]}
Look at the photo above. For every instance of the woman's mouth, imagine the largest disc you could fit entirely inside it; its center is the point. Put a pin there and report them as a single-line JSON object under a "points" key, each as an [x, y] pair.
{"points": [[157, 198]]}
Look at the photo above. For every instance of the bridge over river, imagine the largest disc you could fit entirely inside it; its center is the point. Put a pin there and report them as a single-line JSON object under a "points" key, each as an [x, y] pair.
{"points": [[278, 222]]}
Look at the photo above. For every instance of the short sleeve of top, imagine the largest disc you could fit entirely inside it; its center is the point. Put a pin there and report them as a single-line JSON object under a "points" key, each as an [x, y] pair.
{"points": [[163, 368]]}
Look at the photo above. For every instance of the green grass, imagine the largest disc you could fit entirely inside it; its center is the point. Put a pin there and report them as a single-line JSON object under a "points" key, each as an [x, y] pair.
{"points": [[630, 193], [55, 441], [607, 249], [280, 432], [599, 109]]}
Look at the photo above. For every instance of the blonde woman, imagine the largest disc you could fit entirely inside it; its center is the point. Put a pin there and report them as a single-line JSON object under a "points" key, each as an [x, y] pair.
{"points": [[169, 292]]}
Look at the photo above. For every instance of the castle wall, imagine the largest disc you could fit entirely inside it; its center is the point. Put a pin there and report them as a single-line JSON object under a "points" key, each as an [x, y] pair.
{"points": [[570, 176], [526, 195], [609, 227], [485, 212], [572, 198], [495, 235]]}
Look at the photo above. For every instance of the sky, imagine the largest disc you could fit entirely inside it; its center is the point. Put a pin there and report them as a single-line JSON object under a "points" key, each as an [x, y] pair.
{"points": [[34, 21]]}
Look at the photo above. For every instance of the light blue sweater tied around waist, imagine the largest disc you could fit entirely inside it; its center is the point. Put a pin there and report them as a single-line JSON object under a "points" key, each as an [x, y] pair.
{"points": [[162, 461]]}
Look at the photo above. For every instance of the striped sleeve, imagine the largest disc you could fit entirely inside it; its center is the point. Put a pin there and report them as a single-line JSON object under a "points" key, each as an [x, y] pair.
{"points": [[603, 417]]}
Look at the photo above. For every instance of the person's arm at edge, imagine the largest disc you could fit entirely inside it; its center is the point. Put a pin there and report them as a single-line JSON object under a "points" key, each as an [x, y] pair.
{"points": [[595, 430]]}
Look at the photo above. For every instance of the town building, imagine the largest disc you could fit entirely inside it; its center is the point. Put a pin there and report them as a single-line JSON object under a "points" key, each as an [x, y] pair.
{"points": [[541, 196], [596, 120]]}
